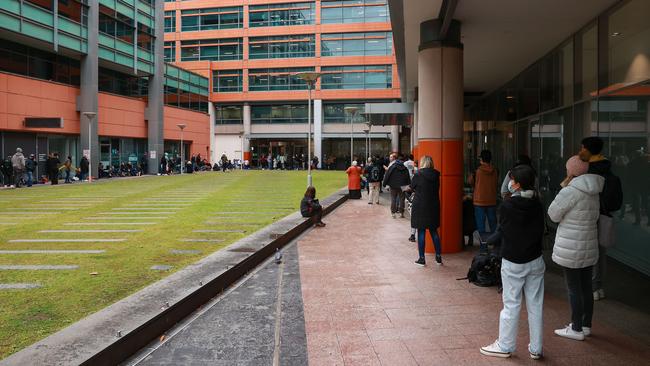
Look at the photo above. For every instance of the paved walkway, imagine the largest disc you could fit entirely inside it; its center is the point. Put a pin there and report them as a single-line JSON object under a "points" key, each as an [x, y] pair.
{"points": [[366, 303]]}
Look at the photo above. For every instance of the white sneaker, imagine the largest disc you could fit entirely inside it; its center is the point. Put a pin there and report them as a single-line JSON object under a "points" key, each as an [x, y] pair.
{"points": [[394, 215], [494, 350], [568, 332], [585, 330], [601, 293], [534, 356], [596, 295]]}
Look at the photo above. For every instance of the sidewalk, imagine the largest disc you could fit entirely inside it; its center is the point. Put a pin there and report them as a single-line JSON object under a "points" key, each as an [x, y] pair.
{"points": [[366, 303]]}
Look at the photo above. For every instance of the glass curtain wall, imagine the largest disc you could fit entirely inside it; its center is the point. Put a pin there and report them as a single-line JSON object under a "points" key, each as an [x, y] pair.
{"points": [[212, 18], [276, 79], [229, 115], [212, 49], [354, 11], [272, 15], [227, 81], [357, 44], [595, 83], [357, 77], [284, 113], [282, 46]]}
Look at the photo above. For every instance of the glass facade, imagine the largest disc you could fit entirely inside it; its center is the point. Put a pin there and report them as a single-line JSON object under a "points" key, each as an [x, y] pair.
{"points": [[354, 11], [357, 44], [75, 10], [170, 21], [282, 46], [170, 51], [225, 81], [342, 112], [115, 24], [212, 49], [271, 15], [229, 115], [596, 83], [282, 113], [357, 77], [276, 79], [212, 18], [118, 83], [19, 59]]}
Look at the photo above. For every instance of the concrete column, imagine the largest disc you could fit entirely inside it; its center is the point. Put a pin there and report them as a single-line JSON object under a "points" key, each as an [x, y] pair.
{"points": [[394, 138], [88, 89], [440, 122], [414, 132], [318, 130], [247, 131], [647, 129], [213, 117], [155, 107]]}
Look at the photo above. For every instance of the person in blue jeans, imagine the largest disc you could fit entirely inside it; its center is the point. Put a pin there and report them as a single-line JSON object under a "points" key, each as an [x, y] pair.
{"points": [[425, 208], [484, 181], [522, 268], [30, 166]]}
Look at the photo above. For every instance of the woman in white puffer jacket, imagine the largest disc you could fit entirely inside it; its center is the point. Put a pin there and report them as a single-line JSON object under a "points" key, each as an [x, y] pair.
{"points": [[576, 208]]}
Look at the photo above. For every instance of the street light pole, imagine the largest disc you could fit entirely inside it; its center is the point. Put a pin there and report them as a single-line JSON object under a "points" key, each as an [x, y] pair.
{"points": [[310, 78], [182, 127], [353, 111], [90, 116]]}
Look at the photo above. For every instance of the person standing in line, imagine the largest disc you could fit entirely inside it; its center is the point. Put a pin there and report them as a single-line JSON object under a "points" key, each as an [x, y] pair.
{"points": [[522, 266], [576, 208], [425, 212], [67, 168], [373, 176], [18, 165], [310, 207], [354, 181], [52, 165], [397, 177], [521, 160], [611, 199], [30, 167], [84, 166], [484, 181], [7, 172], [410, 165]]}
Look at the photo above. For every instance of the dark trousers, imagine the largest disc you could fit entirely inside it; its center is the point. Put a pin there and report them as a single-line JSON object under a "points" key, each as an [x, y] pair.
{"points": [[54, 177], [396, 200], [422, 241], [578, 282], [18, 176], [316, 215]]}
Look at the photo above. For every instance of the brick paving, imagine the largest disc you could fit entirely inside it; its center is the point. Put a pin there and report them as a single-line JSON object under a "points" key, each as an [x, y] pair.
{"points": [[366, 303]]}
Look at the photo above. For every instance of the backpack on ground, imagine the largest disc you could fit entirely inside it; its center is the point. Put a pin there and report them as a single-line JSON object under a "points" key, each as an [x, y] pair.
{"points": [[485, 270], [611, 198]]}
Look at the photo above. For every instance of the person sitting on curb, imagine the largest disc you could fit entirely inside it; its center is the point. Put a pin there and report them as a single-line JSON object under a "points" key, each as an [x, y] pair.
{"points": [[522, 268], [310, 207]]}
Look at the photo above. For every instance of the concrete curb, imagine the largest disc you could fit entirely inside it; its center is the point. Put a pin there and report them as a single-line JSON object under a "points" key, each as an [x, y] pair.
{"points": [[145, 315]]}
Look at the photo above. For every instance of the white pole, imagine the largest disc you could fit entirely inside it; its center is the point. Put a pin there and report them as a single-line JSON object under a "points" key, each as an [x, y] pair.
{"points": [[369, 141], [182, 159], [309, 181], [90, 149], [351, 138]]}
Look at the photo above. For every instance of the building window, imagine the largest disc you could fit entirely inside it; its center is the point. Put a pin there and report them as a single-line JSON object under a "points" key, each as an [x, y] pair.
{"points": [[227, 81], [229, 115], [357, 77], [170, 51], [20, 59], [272, 15], [212, 49], [212, 18], [337, 112], [357, 44], [170, 21], [115, 24], [286, 113], [176, 97], [118, 83], [146, 37], [354, 11], [281, 46], [276, 79]]}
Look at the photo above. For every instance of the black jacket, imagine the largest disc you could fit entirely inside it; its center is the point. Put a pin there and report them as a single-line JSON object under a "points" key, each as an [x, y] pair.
{"points": [[522, 229], [30, 165], [397, 176], [83, 165], [307, 206], [52, 165], [425, 212], [611, 197]]}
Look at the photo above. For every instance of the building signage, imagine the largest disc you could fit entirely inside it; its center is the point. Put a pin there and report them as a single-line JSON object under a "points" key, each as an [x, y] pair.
{"points": [[44, 122]]}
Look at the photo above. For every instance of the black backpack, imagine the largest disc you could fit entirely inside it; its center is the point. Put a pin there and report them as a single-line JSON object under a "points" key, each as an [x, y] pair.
{"points": [[374, 174], [485, 270], [611, 198]]}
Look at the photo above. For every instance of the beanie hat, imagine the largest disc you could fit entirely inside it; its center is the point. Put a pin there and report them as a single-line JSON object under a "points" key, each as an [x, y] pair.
{"points": [[576, 167]]}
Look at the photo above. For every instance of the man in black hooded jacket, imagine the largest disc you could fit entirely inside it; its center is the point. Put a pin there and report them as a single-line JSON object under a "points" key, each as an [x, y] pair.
{"points": [[397, 176]]}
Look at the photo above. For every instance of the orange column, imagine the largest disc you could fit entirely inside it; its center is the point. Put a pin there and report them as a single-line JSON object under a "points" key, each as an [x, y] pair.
{"points": [[440, 126]]}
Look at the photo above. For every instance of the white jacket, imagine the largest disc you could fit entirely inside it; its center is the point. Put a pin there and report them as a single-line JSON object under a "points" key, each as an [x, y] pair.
{"points": [[576, 208]]}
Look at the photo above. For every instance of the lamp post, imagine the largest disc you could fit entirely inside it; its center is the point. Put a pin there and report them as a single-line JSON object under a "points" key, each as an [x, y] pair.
{"points": [[353, 110], [310, 78], [182, 127], [369, 138], [90, 116], [366, 130]]}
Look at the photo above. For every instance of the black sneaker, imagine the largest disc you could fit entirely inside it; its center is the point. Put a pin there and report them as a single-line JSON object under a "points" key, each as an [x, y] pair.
{"points": [[412, 238], [420, 262], [439, 259]]}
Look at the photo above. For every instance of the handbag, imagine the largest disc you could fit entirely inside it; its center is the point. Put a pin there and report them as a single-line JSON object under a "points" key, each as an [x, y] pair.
{"points": [[606, 233]]}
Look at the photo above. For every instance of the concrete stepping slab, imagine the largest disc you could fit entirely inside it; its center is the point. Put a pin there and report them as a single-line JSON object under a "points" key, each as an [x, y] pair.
{"points": [[160, 267], [20, 209], [31, 214], [234, 223], [19, 286], [140, 213], [159, 204], [218, 231], [201, 240], [47, 251], [139, 208], [65, 240], [247, 213], [37, 267], [8, 223], [182, 251], [91, 231], [109, 223], [126, 218]]}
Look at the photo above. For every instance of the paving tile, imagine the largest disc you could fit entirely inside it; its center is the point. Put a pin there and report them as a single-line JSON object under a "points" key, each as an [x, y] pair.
{"points": [[37, 267]]}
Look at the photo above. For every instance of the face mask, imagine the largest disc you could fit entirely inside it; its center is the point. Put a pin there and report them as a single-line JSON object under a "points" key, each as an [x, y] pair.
{"points": [[511, 188]]}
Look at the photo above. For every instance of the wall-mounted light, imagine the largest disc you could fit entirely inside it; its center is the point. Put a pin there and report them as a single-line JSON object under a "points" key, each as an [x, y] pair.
{"points": [[616, 34]]}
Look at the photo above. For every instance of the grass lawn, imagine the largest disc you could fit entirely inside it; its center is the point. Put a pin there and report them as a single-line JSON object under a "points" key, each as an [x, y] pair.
{"points": [[171, 208]]}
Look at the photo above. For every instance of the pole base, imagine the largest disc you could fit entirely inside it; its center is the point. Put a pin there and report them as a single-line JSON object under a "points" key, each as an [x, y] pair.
{"points": [[309, 181]]}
